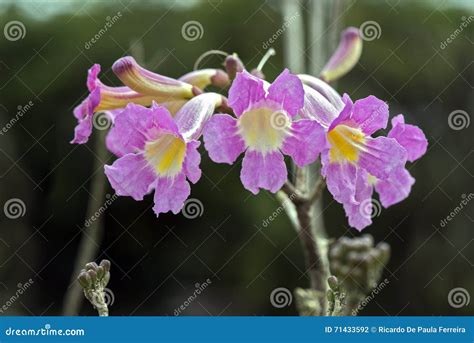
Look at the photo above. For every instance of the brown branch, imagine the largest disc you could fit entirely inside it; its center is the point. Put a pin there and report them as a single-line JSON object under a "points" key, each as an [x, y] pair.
{"points": [[314, 256]]}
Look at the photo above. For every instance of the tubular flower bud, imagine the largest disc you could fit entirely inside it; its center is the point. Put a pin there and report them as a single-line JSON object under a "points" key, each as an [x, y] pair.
{"points": [[206, 77], [233, 65], [345, 57], [144, 81]]}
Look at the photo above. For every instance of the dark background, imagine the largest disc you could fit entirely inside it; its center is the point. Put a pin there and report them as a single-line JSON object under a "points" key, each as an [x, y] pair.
{"points": [[157, 262]]}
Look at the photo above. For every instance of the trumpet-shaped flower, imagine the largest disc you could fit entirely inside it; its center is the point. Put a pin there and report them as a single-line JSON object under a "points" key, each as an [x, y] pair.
{"points": [[355, 162], [101, 98], [159, 152], [168, 92], [265, 129]]}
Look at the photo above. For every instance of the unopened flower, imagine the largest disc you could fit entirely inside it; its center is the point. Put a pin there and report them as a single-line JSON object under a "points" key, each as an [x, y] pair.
{"points": [[264, 129], [145, 81], [345, 57], [159, 152], [205, 77], [233, 65]]}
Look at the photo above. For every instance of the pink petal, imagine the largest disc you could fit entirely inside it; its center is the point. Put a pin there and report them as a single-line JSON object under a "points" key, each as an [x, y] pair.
{"points": [[263, 171], [408, 136], [324, 89], [84, 113], [371, 114], [396, 188], [131, 175], [135, 125], [222, 139], [170, 194], [193, 116], [82, 131], [287, 89], [360, 213], [317, 107], [345, 114], [305, 142], [381, 156], [92, 77], [192, 161], [245, 91], [340, 179]]}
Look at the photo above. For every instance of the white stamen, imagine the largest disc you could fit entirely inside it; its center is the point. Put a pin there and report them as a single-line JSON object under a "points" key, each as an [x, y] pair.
{"points": [[271, 52]]}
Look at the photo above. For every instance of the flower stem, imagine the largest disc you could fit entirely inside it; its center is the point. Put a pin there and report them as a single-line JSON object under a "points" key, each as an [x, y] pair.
{"points": [[312, 238], [91, 235], [271, 52]]}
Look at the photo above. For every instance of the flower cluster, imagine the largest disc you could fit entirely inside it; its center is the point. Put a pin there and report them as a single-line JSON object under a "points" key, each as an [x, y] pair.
{"points": [[158, 122]]}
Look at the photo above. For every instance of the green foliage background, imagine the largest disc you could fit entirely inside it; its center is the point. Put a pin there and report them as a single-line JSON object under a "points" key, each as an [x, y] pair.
{"points": [[156, 263]]}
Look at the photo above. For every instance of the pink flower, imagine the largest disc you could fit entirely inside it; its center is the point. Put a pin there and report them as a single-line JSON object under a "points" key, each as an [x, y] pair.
{"points": [[158, 152], [264, 129], [355, 163]]}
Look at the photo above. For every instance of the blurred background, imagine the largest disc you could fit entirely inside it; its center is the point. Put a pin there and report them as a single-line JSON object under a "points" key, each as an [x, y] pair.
{"points": [[420, 62]]}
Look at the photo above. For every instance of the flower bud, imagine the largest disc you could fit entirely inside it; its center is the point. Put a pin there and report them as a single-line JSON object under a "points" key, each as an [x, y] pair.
{"points": [[233, 65], [91, 266], [333, 283], [205, 77], [100, 272], [93, 275], [146, 82], [84, 280], [345, 57], [105, 264]]}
